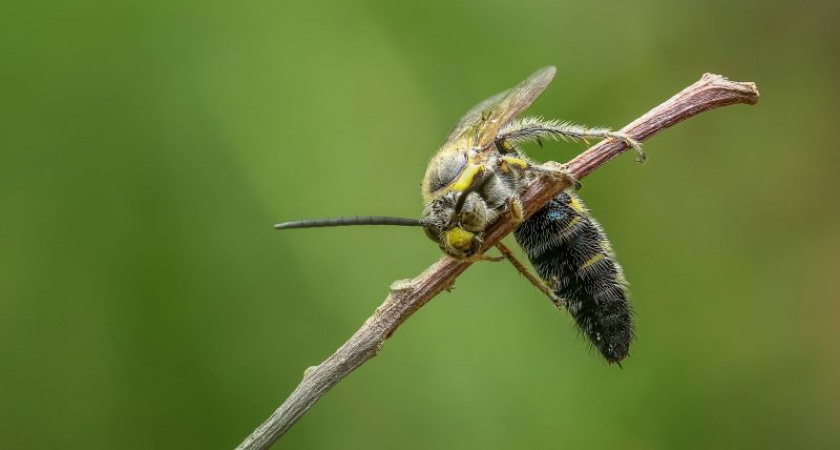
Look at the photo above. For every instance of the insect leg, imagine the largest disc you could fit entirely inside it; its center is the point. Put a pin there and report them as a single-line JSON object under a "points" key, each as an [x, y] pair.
{"points": [[534, 129], [508, 163], [557, 172], [515, 170], [514, 209], [550, 169], [538, 283]]}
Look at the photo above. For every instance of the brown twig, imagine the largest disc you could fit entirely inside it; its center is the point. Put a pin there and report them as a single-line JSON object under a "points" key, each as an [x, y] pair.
{"points": [[407, 296]]}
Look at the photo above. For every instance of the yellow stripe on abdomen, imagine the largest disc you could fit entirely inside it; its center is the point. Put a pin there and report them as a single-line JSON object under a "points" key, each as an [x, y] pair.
{"points": [[593, 260]]}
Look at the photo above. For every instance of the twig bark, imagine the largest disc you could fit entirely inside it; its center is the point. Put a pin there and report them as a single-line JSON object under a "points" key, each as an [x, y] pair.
{"points": [[407, 296]]}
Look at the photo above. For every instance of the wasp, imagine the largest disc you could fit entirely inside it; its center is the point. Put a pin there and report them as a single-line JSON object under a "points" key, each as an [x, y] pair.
{"points": [[478, 175]]}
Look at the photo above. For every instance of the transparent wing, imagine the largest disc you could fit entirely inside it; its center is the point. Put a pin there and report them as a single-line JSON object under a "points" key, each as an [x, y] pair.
{"points": [[481, 124]]}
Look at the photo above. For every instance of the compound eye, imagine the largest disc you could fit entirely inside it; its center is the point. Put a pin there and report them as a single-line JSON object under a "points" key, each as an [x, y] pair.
{"points": [[432, 233], [448, 168]]}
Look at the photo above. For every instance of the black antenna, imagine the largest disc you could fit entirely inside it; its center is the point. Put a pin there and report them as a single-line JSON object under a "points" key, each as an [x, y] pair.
{"points": [[349, 221], [459, 205]]}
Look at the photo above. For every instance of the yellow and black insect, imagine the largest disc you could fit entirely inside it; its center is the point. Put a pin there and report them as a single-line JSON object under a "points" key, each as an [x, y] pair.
{"points": [[479, 174]]}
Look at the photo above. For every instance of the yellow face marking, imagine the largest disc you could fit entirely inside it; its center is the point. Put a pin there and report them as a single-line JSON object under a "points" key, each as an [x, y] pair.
{"points": [[592, 260], [458, 238]]}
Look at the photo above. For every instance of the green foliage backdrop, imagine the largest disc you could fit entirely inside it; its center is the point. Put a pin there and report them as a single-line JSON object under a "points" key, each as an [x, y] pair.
{"points": [[146, 148]]}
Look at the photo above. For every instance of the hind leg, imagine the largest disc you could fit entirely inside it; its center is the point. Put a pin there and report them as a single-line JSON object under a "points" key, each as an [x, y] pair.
{"points": [[538, 283], [532, 129]]}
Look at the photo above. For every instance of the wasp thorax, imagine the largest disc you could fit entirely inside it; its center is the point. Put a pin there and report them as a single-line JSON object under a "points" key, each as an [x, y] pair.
{"points": [[444, 169]]}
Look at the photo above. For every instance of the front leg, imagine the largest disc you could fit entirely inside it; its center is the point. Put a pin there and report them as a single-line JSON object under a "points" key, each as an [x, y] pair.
{"points": [[514, 210]]}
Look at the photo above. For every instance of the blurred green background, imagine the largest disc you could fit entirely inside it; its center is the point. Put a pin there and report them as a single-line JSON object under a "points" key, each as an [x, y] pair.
{"points": [[146, 148]]}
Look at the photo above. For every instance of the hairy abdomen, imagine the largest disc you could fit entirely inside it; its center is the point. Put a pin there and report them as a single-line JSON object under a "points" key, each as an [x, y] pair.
{"points": [[571, 253]]}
